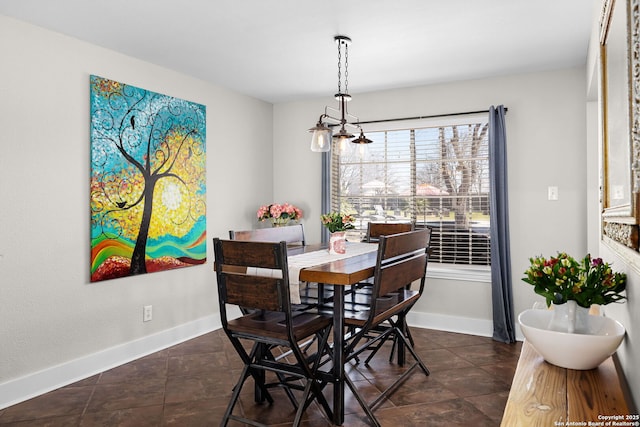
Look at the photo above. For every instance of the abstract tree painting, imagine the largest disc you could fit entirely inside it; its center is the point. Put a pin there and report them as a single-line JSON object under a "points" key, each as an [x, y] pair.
{"points": [[148, 183]]}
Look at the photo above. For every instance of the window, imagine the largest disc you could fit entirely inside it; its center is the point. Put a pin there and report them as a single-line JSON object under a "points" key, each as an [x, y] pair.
{"points": [[432, 173]]}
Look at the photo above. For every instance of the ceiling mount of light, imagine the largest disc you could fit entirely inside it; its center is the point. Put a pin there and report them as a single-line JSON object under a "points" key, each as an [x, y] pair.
{"points": [[322, 134]]}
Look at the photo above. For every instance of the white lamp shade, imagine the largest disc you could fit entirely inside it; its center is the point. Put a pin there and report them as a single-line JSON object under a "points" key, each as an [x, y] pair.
{"points": [[342, 144], [321, 140]]}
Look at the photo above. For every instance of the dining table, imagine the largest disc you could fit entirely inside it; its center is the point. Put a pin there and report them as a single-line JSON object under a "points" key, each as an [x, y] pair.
{"points": [[356, 266]]}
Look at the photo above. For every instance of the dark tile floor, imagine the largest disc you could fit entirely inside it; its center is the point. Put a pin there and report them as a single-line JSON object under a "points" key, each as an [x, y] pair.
{"points": [[190, 384]]}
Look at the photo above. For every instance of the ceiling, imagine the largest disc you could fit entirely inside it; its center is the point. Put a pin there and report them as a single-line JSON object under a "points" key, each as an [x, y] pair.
{"points": [[283, 50]]}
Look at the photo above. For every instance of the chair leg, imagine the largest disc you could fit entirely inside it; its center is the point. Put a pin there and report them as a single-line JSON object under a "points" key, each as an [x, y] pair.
{"points": [[375, 350], [409, 347], [260, 377], [257, 375], [361, 401], [408, 331], [303, 406], [384, 339], [406, 374], [315, 388], [234, 397], [393, 349], [311, 374], [398, 335], [281, 377], [308, 344], [395, 341]]}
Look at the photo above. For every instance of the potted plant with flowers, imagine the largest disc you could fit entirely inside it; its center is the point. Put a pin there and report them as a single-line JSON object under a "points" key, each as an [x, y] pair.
{"points": [[279, 214], [568, 336], [573, 286], [337, 223]]}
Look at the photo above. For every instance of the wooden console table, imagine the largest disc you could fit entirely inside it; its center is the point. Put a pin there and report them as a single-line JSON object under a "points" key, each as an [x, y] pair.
{"points": [[546, 395]]}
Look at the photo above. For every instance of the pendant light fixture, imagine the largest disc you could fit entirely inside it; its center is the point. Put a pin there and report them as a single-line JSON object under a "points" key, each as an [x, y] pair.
{"points": [[322, 134]]}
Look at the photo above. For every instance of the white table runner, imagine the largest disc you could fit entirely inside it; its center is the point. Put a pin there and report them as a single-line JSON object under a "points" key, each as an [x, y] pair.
{"points": [[310, 259]]}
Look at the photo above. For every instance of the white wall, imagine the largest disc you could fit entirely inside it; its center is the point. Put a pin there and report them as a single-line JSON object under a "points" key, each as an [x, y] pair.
{"points": [[628, 313], [546, 146], [50, 315]]}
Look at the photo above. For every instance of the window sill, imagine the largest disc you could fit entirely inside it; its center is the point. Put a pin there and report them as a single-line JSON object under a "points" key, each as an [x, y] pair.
{"points": [[471, 273]]}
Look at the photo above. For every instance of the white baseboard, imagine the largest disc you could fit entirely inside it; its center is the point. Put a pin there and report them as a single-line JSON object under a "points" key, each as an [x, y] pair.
{"points": [[462, 325], [37, 383], [32, 385], [443, 322]]}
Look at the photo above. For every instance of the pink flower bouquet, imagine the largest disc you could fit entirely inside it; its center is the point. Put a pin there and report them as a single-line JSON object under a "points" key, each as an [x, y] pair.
{"points": [[279, 214]]}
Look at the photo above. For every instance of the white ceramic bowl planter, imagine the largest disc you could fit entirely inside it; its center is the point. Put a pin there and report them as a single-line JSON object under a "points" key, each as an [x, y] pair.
{"points": [[586, 348]]}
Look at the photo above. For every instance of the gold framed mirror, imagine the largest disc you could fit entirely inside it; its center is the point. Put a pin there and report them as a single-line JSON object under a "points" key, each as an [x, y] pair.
{"points": [[620, 73]]}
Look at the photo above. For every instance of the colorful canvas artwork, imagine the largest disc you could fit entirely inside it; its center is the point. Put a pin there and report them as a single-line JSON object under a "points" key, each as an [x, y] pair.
{"points": [[148, 181]]}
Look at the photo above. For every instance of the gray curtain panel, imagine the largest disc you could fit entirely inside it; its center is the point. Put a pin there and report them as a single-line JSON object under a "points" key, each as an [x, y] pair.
{"points": [[501, 290]]}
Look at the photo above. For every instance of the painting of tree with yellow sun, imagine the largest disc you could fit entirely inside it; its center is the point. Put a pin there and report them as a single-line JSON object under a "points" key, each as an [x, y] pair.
{"points": [[148, 182]]}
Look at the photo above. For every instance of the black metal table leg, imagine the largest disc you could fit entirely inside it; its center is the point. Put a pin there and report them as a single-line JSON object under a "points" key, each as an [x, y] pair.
{"points": [[338, 354]]}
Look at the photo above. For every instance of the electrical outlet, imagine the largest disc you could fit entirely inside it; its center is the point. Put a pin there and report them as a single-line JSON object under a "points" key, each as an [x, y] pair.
{"points": [[147, 313], [553, 193]]}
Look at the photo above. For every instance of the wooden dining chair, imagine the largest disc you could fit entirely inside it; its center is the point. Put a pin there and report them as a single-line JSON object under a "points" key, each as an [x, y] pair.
{"points": [[402, 260], [374, 231], [255, 275], [294, 236], [405, 327], [377, 229]]}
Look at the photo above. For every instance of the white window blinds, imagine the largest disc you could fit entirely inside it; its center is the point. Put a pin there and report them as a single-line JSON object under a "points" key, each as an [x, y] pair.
{"points": [[434, 174]]}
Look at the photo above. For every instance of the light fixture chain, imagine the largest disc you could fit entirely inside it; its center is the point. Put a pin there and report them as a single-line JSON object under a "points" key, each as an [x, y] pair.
{"points": [[339, 67], [346, 68]]}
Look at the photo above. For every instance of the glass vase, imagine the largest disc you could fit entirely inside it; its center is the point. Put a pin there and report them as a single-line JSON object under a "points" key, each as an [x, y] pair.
{"points": [[337, 243], [569, 317], [279, 222]]}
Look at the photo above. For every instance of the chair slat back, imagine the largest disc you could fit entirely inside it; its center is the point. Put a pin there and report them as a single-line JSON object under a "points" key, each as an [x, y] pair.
{"points": [[252, 275], [405, 243], [402, 259], [252, 292], [377, 229], [397, 275], [292, 234]]}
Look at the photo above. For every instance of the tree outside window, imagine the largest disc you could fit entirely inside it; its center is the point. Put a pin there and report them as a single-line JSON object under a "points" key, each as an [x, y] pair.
{"points": [[435, 176]]}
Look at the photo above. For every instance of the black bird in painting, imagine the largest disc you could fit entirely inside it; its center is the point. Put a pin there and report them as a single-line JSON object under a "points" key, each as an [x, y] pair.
{"points": [[121, 204], [133, 122]]}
